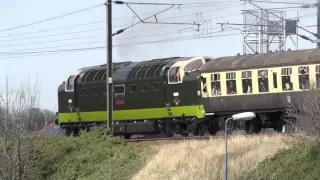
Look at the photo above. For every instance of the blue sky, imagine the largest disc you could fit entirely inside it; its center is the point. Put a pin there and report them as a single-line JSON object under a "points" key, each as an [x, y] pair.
{"points": [[50, 70]]}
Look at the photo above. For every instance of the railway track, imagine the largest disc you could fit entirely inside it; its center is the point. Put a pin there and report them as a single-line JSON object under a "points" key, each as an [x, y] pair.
{"points": [[220, 136]]}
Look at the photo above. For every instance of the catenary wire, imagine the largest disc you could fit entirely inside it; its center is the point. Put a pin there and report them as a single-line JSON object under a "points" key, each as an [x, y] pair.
{"points": [[49, 19], [151, 35], [98, 22], [121, 45]]}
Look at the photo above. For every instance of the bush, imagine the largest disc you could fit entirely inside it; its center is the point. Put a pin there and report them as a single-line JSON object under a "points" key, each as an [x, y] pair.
{"points": [[299, 162], [90, 156]]}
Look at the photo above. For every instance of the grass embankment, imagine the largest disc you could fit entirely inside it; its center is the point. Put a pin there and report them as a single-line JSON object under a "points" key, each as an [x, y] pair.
{"points": [[301, 162], [89, 156], [204, 159]]}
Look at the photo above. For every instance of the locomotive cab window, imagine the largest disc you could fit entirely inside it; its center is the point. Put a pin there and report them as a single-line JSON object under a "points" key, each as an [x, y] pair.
{"points": [[231, 83], [215, 85], [174, 74], [263, 80], [70, 83], [286, 74], [246, 82], [318, 76], [304, 82]]}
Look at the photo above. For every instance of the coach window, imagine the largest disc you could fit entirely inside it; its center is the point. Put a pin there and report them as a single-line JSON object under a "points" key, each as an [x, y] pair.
{"points": [[119, 89], [246, 82], [231, 83], [304, 82], [215, 85], [286, 74], [174, 74], [144, 87], [133, 88], [318, 76], [156, 86], [263, 80]]}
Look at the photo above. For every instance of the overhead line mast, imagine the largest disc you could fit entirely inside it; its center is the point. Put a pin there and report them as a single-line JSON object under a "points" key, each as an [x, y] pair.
{"points": [[109, 67], [318, 22]]}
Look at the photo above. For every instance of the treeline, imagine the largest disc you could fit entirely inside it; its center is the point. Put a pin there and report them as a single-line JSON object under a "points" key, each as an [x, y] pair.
{"points": [[35, 118]]}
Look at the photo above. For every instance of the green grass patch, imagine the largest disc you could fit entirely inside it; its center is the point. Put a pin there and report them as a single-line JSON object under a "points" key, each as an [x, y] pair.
{"points": [[91, 156], [301, 161]]}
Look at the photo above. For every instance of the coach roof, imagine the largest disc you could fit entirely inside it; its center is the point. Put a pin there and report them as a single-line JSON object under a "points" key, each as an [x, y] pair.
{"points": [[265, 60]]}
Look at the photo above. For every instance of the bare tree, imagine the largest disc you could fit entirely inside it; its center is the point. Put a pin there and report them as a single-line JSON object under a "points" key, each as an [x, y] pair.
{"points": [[14, 118], [304, 113]]}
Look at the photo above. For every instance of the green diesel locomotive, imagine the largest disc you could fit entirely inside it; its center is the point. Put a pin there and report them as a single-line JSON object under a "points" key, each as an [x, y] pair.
{"points": [[159, 96]]}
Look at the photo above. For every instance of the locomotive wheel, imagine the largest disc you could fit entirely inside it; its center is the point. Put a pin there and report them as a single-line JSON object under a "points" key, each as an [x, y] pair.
{"points": [[127, 136], [184, 134], [199, 130], [67, 132], [278, 127], [254, 126], [76, 132], [169, 135], [213, 127]]}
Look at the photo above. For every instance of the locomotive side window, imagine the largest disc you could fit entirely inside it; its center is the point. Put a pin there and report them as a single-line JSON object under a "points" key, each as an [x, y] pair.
{"points": [[215, 84], [304, 82], [286, 79], [318, 76], [263, 80], [231, 83], [247, 82], [156, 86], [144, 87], [133, 88], [70, 83], [119, 89], [174, 74]]}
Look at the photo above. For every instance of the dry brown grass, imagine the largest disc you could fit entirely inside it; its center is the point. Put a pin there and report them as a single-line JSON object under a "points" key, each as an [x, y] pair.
{"points": [[205, 159]]}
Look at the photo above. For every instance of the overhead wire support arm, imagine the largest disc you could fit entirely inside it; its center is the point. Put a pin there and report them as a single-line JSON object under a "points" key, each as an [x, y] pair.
{"points": [[157, 22], [141, 3], [154, 15]]}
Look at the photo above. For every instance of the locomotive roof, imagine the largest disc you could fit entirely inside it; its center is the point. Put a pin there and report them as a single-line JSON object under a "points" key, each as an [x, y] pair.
{"points": [[270, 59], [128, 69], [129, 64]]}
